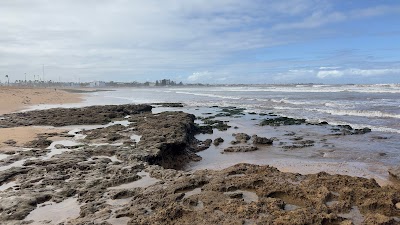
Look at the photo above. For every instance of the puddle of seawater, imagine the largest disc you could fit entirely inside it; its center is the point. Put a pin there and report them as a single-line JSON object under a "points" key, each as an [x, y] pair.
{"points": [[354, 215], [15, 164], [135, 137], [144, 182], [290, 207], [3, 156], [119, 202], [57, 151], [112, 158], [192, 192], [8, 185], [119, 221], [54, 212], [124, 123], [247, 196]]}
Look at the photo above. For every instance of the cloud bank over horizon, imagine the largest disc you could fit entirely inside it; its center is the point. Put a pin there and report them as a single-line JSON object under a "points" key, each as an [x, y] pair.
{"points": [[227, 41]]}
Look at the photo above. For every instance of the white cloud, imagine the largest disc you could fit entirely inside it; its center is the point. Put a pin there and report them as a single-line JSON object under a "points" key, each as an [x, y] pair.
{"points": [[372, 72], [329, 73], [199, 76], [354, 72]]}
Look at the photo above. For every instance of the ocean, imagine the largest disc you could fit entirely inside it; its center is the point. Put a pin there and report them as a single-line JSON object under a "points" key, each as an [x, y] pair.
{"points": [[374, 106]]}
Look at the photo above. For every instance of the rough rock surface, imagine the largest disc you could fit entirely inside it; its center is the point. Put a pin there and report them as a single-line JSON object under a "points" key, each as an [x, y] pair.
{"points": [[218, 141], [244, 148], [241, 137], [250, 194], [262, 140], [72, 116], [395, 172]]}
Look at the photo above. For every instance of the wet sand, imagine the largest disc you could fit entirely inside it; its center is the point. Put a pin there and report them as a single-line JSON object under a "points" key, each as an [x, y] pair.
{"points": [[22, 135], [13, 99]]}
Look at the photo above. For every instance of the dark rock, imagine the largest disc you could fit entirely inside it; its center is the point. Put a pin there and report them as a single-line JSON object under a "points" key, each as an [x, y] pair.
{"points": [[10, 142], [241, 137], [395, 172], [218, 141], [169, 104], [262, 140], [72, 116], [282, 121], [40, 143], [241, 149]]}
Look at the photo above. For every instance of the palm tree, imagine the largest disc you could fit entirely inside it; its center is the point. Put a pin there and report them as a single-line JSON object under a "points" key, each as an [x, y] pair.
{"points": [[8, 80]]}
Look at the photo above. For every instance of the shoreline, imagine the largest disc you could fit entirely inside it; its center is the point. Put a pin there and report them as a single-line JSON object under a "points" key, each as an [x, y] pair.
{"points": [[14, 99]]}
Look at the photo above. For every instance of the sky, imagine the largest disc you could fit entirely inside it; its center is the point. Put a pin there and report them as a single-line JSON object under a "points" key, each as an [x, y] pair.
{"points": [[199, 41]]}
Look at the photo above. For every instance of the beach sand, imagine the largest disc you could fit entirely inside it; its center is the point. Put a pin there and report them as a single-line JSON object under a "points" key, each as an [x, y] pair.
{"points": [[22, 135], [13, 99]]}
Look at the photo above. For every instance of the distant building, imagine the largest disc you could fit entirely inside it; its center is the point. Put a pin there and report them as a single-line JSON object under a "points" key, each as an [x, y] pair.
{"points": [[97, 84]]}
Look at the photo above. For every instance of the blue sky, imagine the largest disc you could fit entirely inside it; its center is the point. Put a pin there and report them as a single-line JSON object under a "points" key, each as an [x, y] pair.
{"points": [[225, 41]]}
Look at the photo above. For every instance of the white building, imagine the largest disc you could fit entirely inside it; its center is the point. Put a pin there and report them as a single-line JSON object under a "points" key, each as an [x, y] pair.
{"points": [[97, 84]]}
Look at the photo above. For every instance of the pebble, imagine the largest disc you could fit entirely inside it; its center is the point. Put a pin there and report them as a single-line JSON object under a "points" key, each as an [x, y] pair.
{"points": [[398, 205]]}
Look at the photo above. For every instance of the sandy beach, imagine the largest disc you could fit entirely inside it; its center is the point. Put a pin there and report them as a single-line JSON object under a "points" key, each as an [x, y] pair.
{"points": [[13, 99]]}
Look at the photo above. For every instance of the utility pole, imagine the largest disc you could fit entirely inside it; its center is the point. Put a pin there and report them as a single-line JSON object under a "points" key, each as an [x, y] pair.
{"points": [[25, 78]]}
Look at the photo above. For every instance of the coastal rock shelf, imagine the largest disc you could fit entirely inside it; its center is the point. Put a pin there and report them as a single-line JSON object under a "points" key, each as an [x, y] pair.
{"points": [[128, 171], [72, 116]]}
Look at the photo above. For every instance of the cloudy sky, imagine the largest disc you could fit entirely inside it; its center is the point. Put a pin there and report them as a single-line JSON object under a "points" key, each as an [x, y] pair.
{"points": [[224, 41]]}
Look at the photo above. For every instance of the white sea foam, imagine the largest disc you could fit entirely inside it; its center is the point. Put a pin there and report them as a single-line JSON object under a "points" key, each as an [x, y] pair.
{"points": [[362, 113], [207, 95]]}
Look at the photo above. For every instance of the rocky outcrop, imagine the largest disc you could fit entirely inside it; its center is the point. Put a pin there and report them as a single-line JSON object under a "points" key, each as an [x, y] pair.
{"points": [[218, 141], [72, 116], [166, 138], [250, 194], [395, 172], [278, 121], [245, 148], [241, 137], [261, 140]]}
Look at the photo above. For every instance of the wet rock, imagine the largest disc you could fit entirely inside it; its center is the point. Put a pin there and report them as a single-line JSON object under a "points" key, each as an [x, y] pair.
{"points": [[18, 207], [218, 141], [241, 149], [282, 121], [362, 131], [395, 172], [114, 137], [105, 132], [12, 172], [378, 219], [222, 201], [262, 140], [39, 143], [10, 142], [72, 116], [348, 130], [241, 137], [169, 104], [231, 111], [300, 144], [217, 124]]}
